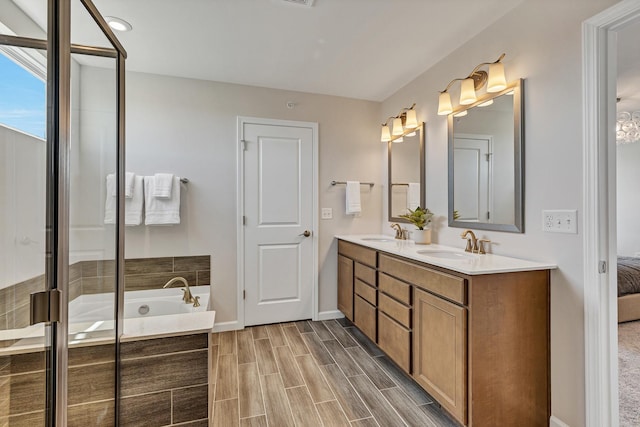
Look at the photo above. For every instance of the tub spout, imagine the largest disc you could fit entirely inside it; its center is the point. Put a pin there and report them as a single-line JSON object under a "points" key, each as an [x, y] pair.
{"points": [[186, 297]]}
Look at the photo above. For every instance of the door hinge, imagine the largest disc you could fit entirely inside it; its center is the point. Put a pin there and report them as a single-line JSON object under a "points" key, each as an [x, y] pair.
{"points": [[244, 220], [488, 215], [244, 144], [45, 306], [489, 156], [602, 267], [244, 294]]}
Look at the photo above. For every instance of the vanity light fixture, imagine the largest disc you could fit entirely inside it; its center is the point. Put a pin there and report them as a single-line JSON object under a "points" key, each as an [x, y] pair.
{"points": [[495, 81], [404, 124]]}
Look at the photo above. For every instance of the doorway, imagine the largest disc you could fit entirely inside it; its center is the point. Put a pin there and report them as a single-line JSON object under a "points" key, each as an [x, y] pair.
{"points": [[277, 241]]}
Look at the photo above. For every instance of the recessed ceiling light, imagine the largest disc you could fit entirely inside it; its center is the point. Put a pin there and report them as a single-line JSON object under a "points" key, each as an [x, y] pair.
{"points": [[118, 24]]}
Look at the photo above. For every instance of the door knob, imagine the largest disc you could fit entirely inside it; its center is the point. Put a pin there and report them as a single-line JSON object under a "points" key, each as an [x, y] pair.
{"points": [[306, 233]]}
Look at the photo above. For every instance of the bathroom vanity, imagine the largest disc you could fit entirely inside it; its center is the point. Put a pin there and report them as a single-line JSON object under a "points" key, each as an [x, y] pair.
{"points": [[472, 330]]}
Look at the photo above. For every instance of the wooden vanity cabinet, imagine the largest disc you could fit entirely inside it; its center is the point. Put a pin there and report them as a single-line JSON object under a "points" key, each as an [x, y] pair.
{"points": [[345, 286]]}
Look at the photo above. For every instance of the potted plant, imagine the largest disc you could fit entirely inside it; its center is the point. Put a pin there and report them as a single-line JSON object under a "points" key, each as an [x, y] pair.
{"points": [[421, 218]]}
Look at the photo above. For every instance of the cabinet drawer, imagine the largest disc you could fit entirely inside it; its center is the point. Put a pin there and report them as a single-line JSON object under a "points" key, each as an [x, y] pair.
{"points": [[394, 287], [395, 340], [366, 291], [366, 274], [446, 285], [364, 317], [358, 253], [395, 310]]}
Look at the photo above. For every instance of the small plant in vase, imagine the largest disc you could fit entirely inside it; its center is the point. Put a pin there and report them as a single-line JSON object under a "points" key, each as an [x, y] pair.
{"points": [[421, 218]]}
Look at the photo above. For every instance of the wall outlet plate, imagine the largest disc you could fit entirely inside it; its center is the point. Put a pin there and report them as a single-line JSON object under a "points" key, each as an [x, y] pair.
{"points": [[326, 213], [560, 221]]}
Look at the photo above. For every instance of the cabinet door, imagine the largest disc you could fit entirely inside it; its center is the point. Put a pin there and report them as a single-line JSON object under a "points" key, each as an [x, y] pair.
{"points": [[345, 286], [440, 351]]}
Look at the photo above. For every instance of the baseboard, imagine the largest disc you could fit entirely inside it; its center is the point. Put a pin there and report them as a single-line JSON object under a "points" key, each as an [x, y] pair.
{"points": [[226, 326], [556, 422], [329, 315]]}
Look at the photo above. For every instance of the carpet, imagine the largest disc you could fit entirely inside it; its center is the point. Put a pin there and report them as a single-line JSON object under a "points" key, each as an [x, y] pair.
{"points": [[629, 373]]}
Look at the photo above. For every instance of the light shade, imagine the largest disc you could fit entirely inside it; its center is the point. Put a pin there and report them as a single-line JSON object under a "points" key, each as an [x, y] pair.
{"points": [[397, 126], [444, 104], [386, 134], [397, 140], [497, 80], [467, 92], [461, 113], [486, 103], [411, 122]]}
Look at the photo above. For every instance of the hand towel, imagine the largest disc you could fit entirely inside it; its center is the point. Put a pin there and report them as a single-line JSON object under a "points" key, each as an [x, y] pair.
{"points": [[162, 185], [413, 195], [133, 206], [111, 203], [129, 178], [161, 211], [353, 198]]}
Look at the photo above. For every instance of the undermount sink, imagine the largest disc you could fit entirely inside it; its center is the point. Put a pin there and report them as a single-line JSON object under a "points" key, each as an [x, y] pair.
{"points": [[434, 253], [377, 239]]}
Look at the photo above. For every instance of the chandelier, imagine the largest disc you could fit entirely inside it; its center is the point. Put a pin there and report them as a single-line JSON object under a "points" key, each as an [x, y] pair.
{"points": [[627, 127]]}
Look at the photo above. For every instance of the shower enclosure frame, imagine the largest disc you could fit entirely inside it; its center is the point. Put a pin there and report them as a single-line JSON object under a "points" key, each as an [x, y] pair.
{"points": [[59, 49]]}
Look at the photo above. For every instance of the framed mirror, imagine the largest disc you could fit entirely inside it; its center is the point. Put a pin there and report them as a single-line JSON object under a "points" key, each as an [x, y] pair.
{"points": [[406, 174], [486, 163]]}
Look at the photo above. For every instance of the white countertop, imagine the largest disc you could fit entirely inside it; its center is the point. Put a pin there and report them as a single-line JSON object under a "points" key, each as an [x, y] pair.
{"points": [[471, 264]]}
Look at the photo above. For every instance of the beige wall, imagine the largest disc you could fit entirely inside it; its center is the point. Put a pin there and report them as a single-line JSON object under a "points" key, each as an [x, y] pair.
{"points": [[542, 40]]}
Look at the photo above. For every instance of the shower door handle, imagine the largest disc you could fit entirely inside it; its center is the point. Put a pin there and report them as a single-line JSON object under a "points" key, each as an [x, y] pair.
{"points": [[44, 307]]}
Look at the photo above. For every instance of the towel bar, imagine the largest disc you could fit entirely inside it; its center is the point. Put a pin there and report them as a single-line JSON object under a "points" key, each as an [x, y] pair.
{"points": [[370, 184]]}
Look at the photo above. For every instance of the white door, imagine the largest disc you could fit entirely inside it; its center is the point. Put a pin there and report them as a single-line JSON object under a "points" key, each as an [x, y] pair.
{"points": [[278, 230], [471, 179]]}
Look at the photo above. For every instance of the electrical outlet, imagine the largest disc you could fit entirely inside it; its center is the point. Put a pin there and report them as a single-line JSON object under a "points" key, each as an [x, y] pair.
{"points": [[560, 221], [327, 213]]}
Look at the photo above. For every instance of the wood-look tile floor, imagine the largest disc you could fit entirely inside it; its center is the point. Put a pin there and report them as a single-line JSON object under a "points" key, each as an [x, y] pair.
{"points": [[312, 374]]}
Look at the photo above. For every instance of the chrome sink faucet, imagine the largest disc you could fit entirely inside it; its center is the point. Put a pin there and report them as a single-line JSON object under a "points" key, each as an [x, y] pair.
{"points": [[187, 297]]}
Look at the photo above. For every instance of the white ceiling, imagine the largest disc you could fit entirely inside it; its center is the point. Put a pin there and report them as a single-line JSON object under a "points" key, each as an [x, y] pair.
{"points": [[365, 49]]}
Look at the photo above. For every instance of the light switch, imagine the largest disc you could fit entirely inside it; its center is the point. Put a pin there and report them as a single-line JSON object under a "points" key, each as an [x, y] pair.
{"points": [[560, 221], [327, 213]]}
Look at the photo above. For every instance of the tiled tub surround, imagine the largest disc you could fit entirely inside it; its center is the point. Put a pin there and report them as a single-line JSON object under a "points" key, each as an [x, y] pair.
{"points": [[164, 382], [92, 277]]}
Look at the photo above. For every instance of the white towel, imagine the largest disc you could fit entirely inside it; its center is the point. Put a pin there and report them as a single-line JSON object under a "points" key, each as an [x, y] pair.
{"points": [[353, 198], [111, 203], [133, 206], [161, 211], [413, 195], [129, 178], [162, 185]]}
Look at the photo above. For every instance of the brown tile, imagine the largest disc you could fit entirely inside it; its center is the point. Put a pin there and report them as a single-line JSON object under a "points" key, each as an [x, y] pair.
{"points": [[225, 413], [437, 415], [322, 331], [213, 370], [75, 289], [145, 375], [377, 375], [250, 394], [100, 414], [365, 342], [246, 353], [26, 393], [317, 349], [331, 414], [24, 420], [298, 347], [92, 354], [227, 342], [375, 401], [214, 338], [137, 282], [146, 410], [203, 278], [304, 411], [98, 285], [410, 413], [90, 383], [6, 299], [276, 403], [353, 406], [343, 337], [259, 332], [287, 366], [148, 265], [227, 378], [406, 383], [264, 354], [3, 323], [21, 363], [106, 267], [316, 383], [189, 404], [89, 268], [303, 326], [192, 263], [344, 322], [346, 363], [276, 335], [75, 271], [366, 422], [199, 423], [152, 347], [20, 316], [259, 421]]}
